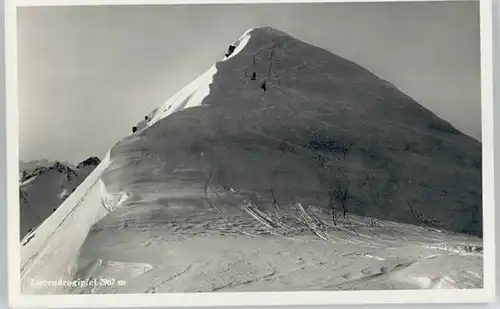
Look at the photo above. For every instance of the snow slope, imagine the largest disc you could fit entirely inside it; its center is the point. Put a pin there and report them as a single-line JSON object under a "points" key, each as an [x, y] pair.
{"points": [[50, 251], [193, 94], [228, 188], [88, 201], [199, 251]]}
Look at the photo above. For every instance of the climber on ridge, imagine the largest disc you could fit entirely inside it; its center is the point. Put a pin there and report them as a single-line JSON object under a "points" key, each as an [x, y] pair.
{"points": [[263, 86], [254, 76]]}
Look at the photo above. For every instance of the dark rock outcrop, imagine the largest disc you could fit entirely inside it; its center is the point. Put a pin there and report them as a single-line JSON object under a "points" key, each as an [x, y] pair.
{"points": [[92, 161]]}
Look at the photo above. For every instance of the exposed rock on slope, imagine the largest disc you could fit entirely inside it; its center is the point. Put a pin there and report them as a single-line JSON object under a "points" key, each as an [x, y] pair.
{"points": [[92, 161]]}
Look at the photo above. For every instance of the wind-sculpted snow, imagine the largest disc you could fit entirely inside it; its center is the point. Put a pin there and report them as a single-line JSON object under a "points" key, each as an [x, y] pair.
{"points": [[194, 93], [325, 124], [219, 240], [291, 169]]}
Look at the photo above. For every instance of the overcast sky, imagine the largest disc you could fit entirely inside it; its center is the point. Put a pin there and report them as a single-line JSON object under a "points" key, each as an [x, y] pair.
{"points": [[88, 74]]}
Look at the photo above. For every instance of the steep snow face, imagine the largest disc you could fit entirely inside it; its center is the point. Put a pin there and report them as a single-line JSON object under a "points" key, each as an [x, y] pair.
{"points": [[246, 192], [44, 189], [245, 187], [193, 94], [314, 116]]}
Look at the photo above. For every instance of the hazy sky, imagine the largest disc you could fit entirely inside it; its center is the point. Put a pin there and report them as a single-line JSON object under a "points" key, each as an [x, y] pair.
{"points": [[88, 74]]}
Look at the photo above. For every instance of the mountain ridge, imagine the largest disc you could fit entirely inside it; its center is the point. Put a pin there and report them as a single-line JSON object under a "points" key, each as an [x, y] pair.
{"points": [[377, 120], [308, 164]]}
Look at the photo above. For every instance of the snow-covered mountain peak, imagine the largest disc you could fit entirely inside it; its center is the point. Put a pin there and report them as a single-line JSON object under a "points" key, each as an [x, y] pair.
{"points": [[56, 167], [280, 146], [277, 93]]}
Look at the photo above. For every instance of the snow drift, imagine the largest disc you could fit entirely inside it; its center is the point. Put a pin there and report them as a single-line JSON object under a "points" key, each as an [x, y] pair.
{"points": [[283, 167]]}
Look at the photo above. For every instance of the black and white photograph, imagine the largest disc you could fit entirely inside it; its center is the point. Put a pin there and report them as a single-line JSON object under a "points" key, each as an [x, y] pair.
{"points": [[205, 148]]}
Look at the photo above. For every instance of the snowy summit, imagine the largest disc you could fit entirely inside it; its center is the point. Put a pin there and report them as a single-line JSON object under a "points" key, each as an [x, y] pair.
{"points": [[283, 167]]}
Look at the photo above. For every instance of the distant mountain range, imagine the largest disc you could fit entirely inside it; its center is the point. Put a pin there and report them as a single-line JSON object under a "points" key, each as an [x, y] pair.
{"points": [[44, 185], [29, 166]]}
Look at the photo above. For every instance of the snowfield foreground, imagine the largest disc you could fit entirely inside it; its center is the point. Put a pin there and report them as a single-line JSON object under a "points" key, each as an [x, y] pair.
{"points": [[282, 168]]}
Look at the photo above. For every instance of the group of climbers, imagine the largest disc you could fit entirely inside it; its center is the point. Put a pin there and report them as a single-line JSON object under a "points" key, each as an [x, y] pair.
{"points": [[134, 128], [230, 51], [263, 86]]}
